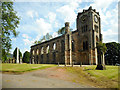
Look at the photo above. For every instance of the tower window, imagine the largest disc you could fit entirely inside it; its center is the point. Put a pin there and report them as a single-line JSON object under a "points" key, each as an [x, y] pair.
{"points": [[85, 45], [84, 28], [96, 28]]}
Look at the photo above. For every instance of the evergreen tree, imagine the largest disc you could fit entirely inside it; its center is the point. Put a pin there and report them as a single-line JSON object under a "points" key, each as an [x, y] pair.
{"points": [[15, 54], [26, 57]]}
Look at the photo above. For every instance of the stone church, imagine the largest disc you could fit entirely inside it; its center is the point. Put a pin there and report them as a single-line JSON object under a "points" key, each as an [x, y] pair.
{"points": [[77, 46]]}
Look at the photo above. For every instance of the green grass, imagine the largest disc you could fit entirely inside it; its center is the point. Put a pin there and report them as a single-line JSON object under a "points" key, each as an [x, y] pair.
{"points": [[24, 67], [111, 72], [99, 78]]}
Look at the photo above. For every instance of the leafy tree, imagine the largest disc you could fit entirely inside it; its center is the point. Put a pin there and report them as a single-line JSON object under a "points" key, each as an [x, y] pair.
{"points": [[4, 55], [101, 48], [15, 54], [61, 31], [26, 57], [46, 37], [9, 23], [112, 54]]}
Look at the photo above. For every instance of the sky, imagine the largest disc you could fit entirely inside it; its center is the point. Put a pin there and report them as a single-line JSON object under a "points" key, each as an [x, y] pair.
{"points": [[39, 17]]}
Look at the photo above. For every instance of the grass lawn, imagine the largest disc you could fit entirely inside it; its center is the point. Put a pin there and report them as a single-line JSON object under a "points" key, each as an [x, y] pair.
{"points": [[99, 78], [23, 67]]}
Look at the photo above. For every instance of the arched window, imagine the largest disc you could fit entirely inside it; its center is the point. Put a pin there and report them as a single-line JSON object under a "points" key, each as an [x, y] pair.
{"points": [[73, 47], [42, 50], [54, 46], [33, 52], [47, 50], [68, 41], [62, 45], [85, 45], [37, 51]]}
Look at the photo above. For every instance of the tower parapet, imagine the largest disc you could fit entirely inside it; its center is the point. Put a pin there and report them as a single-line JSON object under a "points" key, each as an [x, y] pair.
{"points": [[67, 25]]}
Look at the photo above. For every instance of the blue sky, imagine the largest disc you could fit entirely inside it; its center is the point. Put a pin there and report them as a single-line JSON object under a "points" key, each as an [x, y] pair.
{"points": [[39, 18]]}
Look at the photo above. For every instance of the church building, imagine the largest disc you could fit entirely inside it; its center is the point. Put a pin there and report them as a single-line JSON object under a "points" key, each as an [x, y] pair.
{"points": [[77, 46]]}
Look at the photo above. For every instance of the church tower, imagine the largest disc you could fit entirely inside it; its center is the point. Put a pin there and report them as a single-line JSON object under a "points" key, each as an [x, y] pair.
{"points": [[89, 29]]}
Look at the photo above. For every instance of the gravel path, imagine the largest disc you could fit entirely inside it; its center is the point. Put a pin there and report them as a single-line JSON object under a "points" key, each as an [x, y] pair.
{"points": [[46, 78]]}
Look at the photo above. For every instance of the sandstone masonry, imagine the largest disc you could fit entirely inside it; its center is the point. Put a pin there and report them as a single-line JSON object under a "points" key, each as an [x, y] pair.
{"points": [[78, 46]]}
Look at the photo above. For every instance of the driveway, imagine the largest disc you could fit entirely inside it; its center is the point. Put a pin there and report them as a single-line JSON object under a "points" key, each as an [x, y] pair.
{"points": [[46, 78]]}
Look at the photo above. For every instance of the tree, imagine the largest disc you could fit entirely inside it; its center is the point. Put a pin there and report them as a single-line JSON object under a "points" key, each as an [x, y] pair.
{"points": [[48, 36], [15, 54], [61, 31], [4, 55], [9, 23], [26, 57], [112, 54], [45, 37], [101, 48]]}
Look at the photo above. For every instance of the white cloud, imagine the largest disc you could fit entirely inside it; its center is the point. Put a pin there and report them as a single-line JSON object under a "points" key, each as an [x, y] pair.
{"points": [[56, 24], [67, 12], [51, 17], [55, 34], [25, 36], [28, 42], [102, 4], [32, 13], [43, 27]]}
